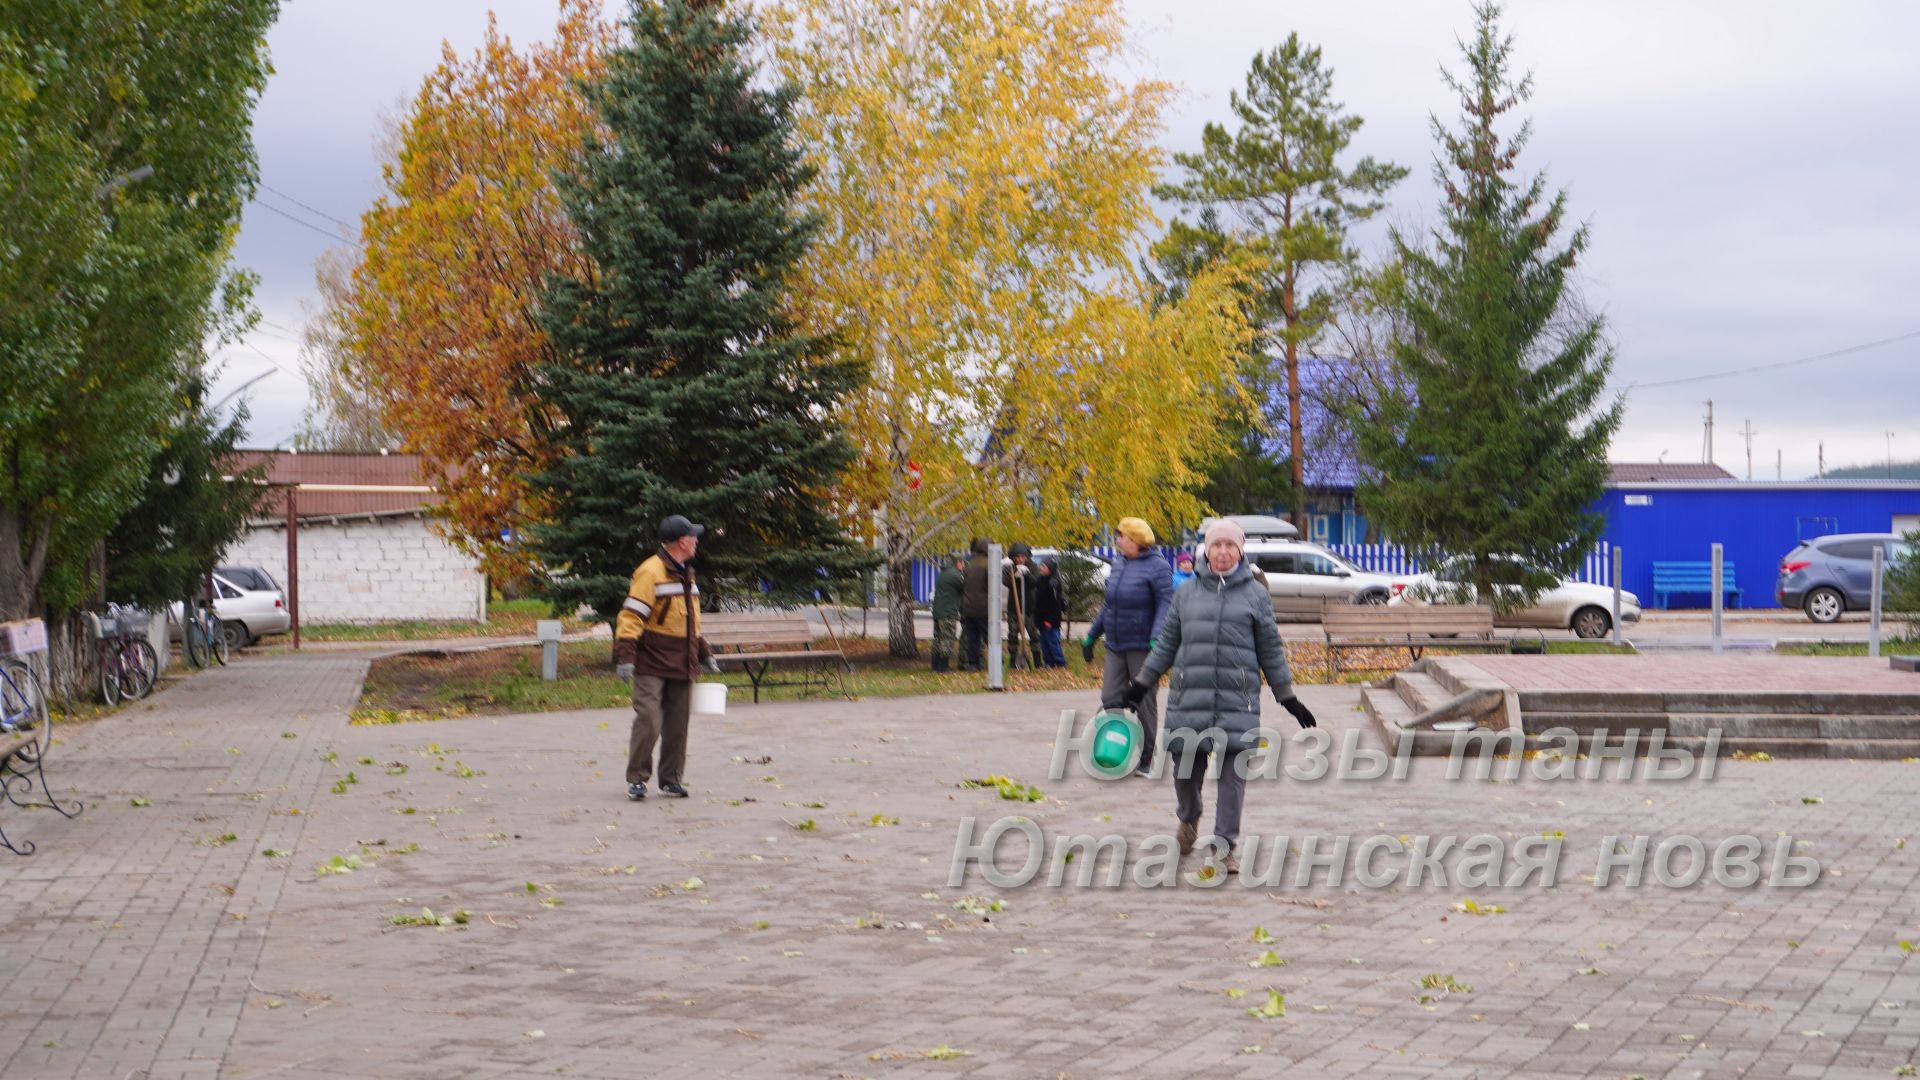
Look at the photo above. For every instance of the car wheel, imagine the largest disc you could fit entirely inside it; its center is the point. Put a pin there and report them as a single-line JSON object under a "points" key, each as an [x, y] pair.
{"points": [[1375, 597], [1591, 623], [236, 634], [1825, 605]]}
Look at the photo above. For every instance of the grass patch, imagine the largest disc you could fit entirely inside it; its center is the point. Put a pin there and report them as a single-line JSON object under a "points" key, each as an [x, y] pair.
{"points": [[437, 686], [1577, 648], [434, 686], [505, 618], [1900, 646]]}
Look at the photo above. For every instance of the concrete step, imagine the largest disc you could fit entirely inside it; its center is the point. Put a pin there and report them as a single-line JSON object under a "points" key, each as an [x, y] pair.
{"points": [[1421, 691], [1854, 726], [1388, 714], [1586, 723], [1615, 702], [1457, 675]]}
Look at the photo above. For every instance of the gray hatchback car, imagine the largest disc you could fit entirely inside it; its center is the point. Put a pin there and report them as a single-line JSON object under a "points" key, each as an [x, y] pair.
{"points": [[1830, 575]]}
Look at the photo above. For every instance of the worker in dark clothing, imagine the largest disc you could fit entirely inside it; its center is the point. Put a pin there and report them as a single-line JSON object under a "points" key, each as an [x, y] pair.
{"points": [[1023, 631], [947, 591], [1049, 609], [973, 610]]}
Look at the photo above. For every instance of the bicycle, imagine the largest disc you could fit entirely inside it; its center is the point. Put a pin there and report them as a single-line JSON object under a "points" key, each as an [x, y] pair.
{"points": [[203, 638], [23, 705], [128, 664]]}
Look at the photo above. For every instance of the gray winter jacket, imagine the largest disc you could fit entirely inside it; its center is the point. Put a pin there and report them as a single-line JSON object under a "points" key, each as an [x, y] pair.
{"points": [[1218, 639]]}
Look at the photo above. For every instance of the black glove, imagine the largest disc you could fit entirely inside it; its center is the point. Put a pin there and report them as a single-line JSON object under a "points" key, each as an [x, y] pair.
{"points": [[1086, 650], [1135, 693], [1299, 710]]}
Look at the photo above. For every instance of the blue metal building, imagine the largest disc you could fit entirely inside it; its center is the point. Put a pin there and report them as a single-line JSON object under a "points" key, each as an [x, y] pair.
{"points": [[1756, 523]]}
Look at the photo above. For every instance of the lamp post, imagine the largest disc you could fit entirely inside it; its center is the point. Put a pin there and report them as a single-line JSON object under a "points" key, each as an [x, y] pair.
{"points": [[215, 407], [134, 176]]}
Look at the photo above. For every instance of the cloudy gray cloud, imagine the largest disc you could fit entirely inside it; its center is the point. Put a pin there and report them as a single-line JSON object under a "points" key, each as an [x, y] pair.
{"points": [[1746, 168]]}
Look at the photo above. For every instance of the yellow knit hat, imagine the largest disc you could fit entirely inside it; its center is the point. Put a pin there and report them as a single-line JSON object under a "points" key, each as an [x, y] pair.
{"points": [[1137, 530]]}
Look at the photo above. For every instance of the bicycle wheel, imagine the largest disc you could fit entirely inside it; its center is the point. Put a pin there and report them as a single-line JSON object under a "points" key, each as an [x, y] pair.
{"points": [[110, 675], [23, 704], [221, 646], [193, 638], [143, 664]]}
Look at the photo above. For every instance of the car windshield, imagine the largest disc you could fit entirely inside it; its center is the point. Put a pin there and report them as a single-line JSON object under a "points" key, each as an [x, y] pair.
{"points": [[1339, 564]]}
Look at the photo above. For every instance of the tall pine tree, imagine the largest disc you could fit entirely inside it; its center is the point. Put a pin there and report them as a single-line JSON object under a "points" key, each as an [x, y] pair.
{"points": [[1290, 202], [682, 384], [1500, 444]]}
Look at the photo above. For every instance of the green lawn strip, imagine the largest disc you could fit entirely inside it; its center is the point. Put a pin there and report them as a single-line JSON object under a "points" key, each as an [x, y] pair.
{"points": [[437, 686], [1575, 648], [1900, 646], [505, 618]]}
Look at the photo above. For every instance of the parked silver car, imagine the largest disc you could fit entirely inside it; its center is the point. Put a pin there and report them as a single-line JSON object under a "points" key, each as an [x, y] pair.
{"points": [[1583, 608], [248, 603], [1301, 576], [1828, 576]]}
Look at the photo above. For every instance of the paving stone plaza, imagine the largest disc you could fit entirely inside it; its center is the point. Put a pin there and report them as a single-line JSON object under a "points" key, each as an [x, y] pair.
{"points": [[793, 918]]}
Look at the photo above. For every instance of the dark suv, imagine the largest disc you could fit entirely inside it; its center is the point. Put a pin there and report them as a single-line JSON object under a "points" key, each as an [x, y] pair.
{"points": [[1830, 575]]}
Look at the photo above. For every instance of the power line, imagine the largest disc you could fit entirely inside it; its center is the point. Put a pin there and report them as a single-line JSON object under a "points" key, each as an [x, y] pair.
{"points": [[304, 206], [1848, 351], [328, 233]]}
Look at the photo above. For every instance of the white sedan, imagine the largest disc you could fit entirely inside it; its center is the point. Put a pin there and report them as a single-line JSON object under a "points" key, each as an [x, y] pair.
{"points": [[1585, 609], [245, 613]]}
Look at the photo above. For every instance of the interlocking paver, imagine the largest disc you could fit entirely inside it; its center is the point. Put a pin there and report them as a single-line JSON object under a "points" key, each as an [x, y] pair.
{"points": [[150, 950]]}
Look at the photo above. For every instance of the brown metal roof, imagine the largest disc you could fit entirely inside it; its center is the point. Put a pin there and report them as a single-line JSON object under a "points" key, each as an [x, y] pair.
{"points": [[1634, 472], [397, 470]]}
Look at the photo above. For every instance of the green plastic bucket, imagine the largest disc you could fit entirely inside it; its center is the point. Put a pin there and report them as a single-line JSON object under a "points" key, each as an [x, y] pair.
{"points": [[1118, 740]]}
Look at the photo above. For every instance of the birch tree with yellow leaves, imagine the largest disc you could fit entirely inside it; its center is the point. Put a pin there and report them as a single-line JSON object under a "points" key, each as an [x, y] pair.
{"points": [[442, 320], [983, 183]]}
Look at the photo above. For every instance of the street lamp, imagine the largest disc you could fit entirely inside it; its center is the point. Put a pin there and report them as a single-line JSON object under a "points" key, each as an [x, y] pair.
{"points": [[215, 407], [142, 173]]}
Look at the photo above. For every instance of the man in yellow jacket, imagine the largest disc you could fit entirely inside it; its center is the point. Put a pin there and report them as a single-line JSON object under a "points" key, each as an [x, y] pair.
{"points": [[657, 645]]}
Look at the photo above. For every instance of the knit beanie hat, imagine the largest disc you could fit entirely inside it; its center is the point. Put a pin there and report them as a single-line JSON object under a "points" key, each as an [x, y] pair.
{"points": [[1136, 530], [1226, 530]]}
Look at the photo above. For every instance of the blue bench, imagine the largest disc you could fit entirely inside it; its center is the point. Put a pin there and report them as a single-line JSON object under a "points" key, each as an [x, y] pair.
{"points": [[1691, 577]]}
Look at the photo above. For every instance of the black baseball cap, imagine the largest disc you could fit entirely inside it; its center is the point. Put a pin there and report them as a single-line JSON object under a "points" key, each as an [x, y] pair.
{"points": [[677, 526]]}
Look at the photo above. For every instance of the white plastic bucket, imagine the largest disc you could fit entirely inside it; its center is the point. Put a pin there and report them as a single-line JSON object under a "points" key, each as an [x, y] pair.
{"points": [[710, 698]]}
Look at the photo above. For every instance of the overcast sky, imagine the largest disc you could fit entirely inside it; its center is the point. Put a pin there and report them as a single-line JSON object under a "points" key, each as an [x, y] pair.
{"points": [[1748, 170]]}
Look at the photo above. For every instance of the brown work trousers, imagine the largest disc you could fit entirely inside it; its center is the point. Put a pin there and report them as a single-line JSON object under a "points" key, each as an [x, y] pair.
{"points": [[659, 715]]}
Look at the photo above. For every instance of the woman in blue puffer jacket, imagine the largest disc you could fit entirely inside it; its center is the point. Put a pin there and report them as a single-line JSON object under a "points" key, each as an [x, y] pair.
{"points": [[1139, 594]]}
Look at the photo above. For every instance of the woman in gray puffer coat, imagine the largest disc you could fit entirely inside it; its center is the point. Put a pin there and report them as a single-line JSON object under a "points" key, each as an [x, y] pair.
{"points": [[1218, 640]]}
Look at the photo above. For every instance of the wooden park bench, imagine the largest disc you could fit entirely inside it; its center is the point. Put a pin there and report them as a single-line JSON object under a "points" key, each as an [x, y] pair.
{"points": [[26, 727], [1691, 577], [760, 643], [1373, 626]]}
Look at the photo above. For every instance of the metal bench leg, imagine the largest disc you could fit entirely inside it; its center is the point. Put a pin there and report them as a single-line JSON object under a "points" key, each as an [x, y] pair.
{"points": [[26, 846], [11, 773], [756, 676]]}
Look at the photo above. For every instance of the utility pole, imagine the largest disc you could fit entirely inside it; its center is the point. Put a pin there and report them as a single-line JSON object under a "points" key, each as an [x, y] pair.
{"points": [[1748, 433], [1889, 455], [1779, 456], [1707, 447], [1823, 461]]}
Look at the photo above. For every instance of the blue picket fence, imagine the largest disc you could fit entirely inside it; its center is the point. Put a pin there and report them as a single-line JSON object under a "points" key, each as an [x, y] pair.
{"points": [[1595, 569]]}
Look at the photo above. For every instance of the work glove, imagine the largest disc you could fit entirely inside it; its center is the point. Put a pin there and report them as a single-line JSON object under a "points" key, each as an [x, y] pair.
{"points": [[625, 671], [1086, 649], [1153, 643], [1129, 697], [712, 664], [1299, 710]]}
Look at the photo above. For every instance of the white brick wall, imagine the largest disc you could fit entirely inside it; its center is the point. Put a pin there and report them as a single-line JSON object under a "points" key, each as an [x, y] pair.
{"points": [[370, 570]]}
